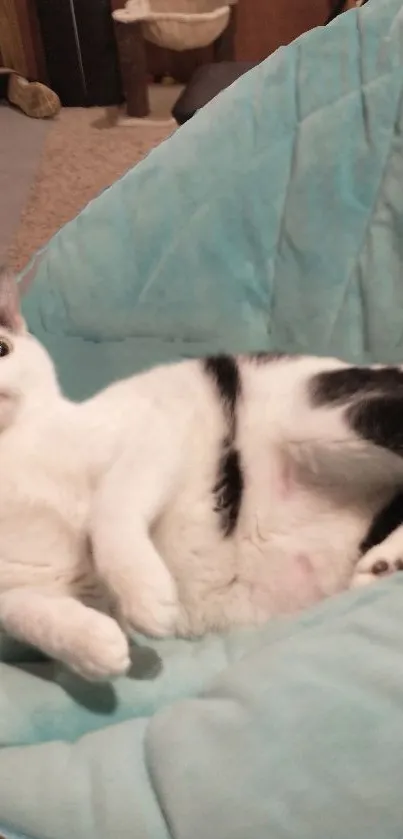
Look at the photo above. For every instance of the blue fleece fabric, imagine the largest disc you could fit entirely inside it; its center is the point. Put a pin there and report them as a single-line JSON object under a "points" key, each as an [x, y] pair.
{"points": [[273, 220]]}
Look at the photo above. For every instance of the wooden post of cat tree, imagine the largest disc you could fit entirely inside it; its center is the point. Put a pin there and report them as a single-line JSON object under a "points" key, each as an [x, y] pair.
{"points": [[133, 67], [224, 46]]}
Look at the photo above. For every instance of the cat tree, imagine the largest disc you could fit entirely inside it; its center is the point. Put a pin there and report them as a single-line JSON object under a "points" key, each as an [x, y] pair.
{"points": [[173, 24]]}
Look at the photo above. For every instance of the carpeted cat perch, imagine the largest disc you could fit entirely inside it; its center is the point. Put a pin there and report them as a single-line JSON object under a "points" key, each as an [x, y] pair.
{"points": [[177, 24]]}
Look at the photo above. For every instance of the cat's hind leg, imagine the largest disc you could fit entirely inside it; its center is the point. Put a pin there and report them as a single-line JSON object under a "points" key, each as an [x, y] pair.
{"points": [[350, 433], [88, 642]]}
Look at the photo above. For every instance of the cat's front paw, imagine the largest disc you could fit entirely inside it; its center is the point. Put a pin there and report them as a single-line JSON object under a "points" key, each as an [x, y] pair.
{"points": [[103, 652], [152, 612]]}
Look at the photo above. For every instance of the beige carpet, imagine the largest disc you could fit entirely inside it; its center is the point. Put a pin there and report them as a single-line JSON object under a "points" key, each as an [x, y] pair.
{"points": [[84, 152], [21, 145]]}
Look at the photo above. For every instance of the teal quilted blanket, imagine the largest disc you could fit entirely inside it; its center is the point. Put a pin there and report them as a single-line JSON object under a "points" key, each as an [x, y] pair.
{"points": [[273, 219]]}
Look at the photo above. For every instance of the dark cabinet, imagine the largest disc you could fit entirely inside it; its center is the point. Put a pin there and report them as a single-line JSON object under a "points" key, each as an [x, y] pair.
{"points": [[80, 49]]}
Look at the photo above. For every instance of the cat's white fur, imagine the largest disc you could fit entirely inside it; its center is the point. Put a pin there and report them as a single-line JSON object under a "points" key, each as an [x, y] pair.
{"points": [[118, 489]]}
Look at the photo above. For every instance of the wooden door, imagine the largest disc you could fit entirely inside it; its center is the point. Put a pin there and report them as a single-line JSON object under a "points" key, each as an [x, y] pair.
{"points": [[20, 41], [265, 25]]}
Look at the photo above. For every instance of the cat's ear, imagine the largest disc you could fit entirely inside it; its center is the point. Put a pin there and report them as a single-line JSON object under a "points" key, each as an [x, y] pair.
{"points": [[10, 313]]}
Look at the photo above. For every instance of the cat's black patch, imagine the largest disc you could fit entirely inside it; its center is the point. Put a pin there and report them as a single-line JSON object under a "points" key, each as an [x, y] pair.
{"points": [[228, 488], [345, 384], [223, 369], [379, 420], [384, 523], [267, 357]]}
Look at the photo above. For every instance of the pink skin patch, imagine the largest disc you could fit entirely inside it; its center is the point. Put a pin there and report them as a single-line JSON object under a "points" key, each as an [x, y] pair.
{"points": [[308, 574], [291, 588]]}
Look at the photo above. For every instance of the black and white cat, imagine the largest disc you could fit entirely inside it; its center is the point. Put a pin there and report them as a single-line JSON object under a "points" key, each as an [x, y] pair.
{"points": [[198, 496]]}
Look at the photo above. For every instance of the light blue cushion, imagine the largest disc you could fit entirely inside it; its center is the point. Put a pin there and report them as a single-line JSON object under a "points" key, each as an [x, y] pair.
{"points": [[273, 219]]}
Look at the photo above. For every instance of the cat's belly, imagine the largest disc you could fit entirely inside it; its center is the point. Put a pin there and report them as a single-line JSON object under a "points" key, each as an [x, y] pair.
{"points": [[283, 556], [291, 568]]}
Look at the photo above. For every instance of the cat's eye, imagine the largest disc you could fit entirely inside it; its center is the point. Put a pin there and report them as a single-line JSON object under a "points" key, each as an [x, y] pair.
{"points": [[5, 347]]}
